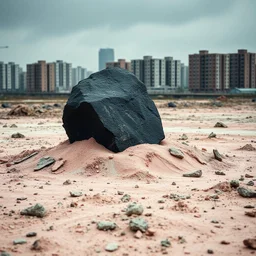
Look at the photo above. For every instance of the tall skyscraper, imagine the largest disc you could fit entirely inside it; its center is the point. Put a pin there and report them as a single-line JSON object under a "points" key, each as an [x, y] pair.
{"points": [[105, 55]]}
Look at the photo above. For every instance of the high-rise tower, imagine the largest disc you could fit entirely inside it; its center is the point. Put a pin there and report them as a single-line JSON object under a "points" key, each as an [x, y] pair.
{"points": [[105, 55]]}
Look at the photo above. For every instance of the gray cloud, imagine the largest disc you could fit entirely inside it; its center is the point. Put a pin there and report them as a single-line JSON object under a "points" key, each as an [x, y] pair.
{"points": [[74, 30], [47, 17]]}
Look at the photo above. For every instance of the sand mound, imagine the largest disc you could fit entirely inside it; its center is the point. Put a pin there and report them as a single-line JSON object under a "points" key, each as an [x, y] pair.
{"points": [[22, 110], [142, 162], [248, 147]]}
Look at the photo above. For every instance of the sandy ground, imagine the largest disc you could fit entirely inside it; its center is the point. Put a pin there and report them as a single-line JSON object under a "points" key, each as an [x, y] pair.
{"points": [[204, 220]]}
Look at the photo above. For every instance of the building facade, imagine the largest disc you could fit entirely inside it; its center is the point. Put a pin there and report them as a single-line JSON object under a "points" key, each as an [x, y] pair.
{"points": [[51, 77], [37, 77], [105, 55], [184, 76], [121, 63], [63, 76], [9, 77], [78, 74], [221, 72], [155, 73]]}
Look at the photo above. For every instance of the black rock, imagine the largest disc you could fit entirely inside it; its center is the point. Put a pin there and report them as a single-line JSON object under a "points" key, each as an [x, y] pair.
{"points": [[253, 100], [6, 105], [171, 105], [57, 105], [113, 107]]}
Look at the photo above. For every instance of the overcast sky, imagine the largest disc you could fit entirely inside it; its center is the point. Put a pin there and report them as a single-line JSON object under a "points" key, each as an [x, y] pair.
{"points": [[74, 30]]}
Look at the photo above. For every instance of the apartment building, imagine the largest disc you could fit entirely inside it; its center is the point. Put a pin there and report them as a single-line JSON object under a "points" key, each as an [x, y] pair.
{"points": [[137, 68], [63, 76], [121, 63], [78, 74], [151, 71], [2, 77], [51, 77], [9, 76], [184, 76], [37, 77], [220, 72]]}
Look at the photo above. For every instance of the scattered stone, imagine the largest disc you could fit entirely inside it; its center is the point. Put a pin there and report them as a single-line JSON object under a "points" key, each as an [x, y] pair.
{"points": [[18, 135], [126, 198], [138, 234], [138, 224], [220, 173], [57, 165], [120, 193], [106, 225], [5, 254], [246, 192], [165, 243], [171, 105], [21, 198], [31, 234], [136, 186], [250, 243], [220, 124], [251, 214], [73, 204], [19, 241], [248, 176], [241, 178], [13, 126], [184, 137], [25, 158], [210, 251], [182, 240], [67, 182], [134, 208], [44, 162], [217, 155], [177, 197], [75, 193], [150, 232], [250, 183], [234, 184], [212, 135], [224, 242], [176, 152], [111, 247], [196, 174], [37, 245], [37, 210], [249, 207], [6, 105], [173, 183]]}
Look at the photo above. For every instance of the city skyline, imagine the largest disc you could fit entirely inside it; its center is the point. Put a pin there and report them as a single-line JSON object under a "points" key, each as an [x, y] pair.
{"points": [[160, 28]]}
